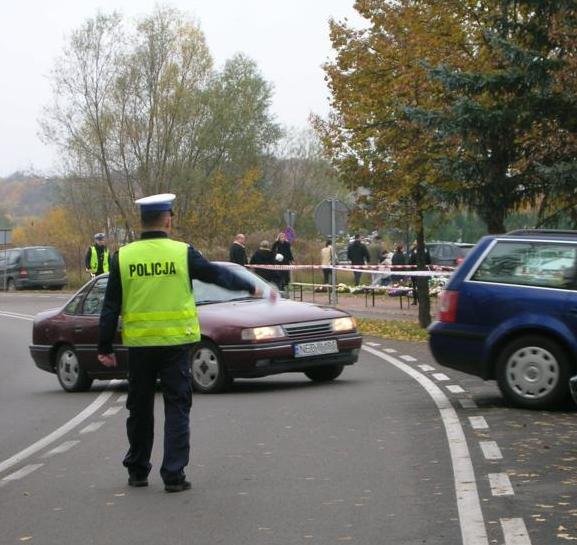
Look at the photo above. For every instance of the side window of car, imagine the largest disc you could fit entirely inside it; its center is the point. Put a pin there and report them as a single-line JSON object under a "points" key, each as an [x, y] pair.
{"points": [[95, 297], [540, 264], [13, 257], [72, 306]]}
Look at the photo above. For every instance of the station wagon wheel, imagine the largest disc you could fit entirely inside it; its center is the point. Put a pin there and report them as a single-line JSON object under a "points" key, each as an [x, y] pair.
{"points": [[325, 373], [209, 375], [69, 371], [533, 372]]}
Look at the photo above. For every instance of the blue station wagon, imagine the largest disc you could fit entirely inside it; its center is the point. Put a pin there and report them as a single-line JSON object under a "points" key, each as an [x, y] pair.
{"points": [[509, 313]]}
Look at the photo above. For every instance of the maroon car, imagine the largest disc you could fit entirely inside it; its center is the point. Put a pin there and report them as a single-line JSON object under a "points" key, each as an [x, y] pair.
{"points": [[242, 337]]}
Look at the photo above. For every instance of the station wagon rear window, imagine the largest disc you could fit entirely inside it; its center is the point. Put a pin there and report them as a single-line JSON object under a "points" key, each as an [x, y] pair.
{"points": [[530, 263]]}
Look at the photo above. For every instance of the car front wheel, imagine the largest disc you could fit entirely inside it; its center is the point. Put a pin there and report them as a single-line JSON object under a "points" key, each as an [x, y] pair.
{"points": [[209, 375], [533, 372], [69, 371], [325, 373]]}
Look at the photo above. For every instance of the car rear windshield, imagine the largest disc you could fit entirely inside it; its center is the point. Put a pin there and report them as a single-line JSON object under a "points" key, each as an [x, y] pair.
{"points": [[41, 255], [530, 263]]}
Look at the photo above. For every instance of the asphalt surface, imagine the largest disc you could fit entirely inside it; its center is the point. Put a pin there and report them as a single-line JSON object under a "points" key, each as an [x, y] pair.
{"points": [[368, 459]]}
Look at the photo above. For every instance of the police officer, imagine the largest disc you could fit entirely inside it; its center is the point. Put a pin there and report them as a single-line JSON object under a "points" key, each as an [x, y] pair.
{"points": [[97, 258], [150, 286]]}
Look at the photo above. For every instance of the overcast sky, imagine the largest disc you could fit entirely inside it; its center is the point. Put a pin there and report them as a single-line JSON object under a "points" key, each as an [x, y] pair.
{"points": [[288, 40]]}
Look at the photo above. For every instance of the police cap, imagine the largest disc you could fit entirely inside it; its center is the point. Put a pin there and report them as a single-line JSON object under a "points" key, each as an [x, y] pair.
{"points": [[99, 236], [156, 203]]}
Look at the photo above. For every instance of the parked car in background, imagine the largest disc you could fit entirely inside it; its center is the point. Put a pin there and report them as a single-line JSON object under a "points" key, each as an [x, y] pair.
{"points": [[509, 313], [448, 254], [242, 337], [32, 267]]}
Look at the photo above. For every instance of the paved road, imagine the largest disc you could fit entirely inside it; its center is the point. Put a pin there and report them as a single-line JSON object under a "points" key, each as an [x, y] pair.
{"points": [[373, 458]]}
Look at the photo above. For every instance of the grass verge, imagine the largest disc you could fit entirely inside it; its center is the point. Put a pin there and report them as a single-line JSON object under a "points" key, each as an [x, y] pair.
{"points": [[392, 329]]}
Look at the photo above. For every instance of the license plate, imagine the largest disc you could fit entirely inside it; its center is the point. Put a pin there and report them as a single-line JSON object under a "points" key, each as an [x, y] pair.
{"points": [[304, 350], [46, 273]]}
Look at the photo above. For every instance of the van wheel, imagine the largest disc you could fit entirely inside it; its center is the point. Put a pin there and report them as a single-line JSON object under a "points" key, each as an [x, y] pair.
{"points": [[533, 372], [325, 373], [69, 371], [209, 375]]}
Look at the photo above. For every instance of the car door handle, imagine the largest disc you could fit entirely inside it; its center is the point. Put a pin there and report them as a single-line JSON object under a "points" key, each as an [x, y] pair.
{"points": [[78, 329]]}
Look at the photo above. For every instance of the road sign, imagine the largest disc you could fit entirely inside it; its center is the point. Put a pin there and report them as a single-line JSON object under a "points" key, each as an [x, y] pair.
{"points": [[324, 215]]}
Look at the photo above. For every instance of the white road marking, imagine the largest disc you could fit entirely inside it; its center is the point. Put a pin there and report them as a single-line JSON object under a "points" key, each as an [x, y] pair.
{"points": [[491, 450], [408, 358], [500, 484], [58, 433], [441, 377], [468, 404], [112, 410], [389, 350], [426, 368], [64, 447], [26, 317], [371, 343], [26, 470], [122, 398], [468, 504], [455, 389], [478, 423], [92, 427], [515, 532]]}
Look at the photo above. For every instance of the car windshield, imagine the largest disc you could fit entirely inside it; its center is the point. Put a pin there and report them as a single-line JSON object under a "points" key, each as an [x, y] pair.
{"points": [[205, 293]]}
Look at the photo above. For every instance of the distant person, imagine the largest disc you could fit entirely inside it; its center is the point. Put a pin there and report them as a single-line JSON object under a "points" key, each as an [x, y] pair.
{"points": [[283, 255], [414, 261], [264, 256], [376, 251], [237, 251], [97, 259], [398, 259], [357, 254], [327, 261]]}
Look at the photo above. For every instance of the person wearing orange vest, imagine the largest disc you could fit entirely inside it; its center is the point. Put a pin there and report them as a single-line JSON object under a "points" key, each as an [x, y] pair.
{"points": [[150, 285]]}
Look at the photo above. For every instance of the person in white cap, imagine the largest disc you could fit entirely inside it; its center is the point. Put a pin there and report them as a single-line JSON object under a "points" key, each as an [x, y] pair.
{"points": [[97, 259], [150, 285]]}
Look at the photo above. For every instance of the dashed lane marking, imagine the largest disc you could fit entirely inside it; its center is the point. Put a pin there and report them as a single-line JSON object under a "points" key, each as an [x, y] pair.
{"points": [[92, 427], [408, 358], [471, 519], [389, 350], [16, 315], [112, 410], [515, 532], [426, 367], [26, 470], [468, 403], [64, 447], [58, 433], [441, 377], [491, 450], [455, 389], [478, 423], [500, 484]]}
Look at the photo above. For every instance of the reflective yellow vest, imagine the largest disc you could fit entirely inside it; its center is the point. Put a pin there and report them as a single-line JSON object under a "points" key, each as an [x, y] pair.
{"points": [[158, 307], [94, 260]]}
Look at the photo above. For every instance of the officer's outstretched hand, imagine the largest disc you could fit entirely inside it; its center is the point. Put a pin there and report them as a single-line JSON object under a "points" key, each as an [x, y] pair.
{"points": [[272, 294], [108, 360]]}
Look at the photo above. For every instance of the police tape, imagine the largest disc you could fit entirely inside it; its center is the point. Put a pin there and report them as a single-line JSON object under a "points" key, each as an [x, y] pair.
{"points": [[380, 269]]}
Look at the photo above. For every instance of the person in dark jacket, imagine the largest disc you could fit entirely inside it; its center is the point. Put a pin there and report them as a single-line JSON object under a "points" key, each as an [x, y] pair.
{"points": [[413, 261], [264, 256], [237, 251], [357, 254], [398, 260], [283, 255]]}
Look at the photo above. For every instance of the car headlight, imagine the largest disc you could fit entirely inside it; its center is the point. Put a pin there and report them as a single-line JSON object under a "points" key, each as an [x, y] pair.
{"points": [[344, 324], [262, 333]]}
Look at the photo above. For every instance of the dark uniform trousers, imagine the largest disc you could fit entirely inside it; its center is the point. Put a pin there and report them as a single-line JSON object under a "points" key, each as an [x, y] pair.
{"points": [[171, 365]]}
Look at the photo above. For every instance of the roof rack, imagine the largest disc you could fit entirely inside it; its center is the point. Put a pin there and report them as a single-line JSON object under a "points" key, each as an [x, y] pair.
{"points": [[542, 232]]}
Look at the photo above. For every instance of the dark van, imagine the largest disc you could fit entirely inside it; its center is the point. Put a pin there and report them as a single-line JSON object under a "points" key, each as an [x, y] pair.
{"points": [[32, 267]]}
